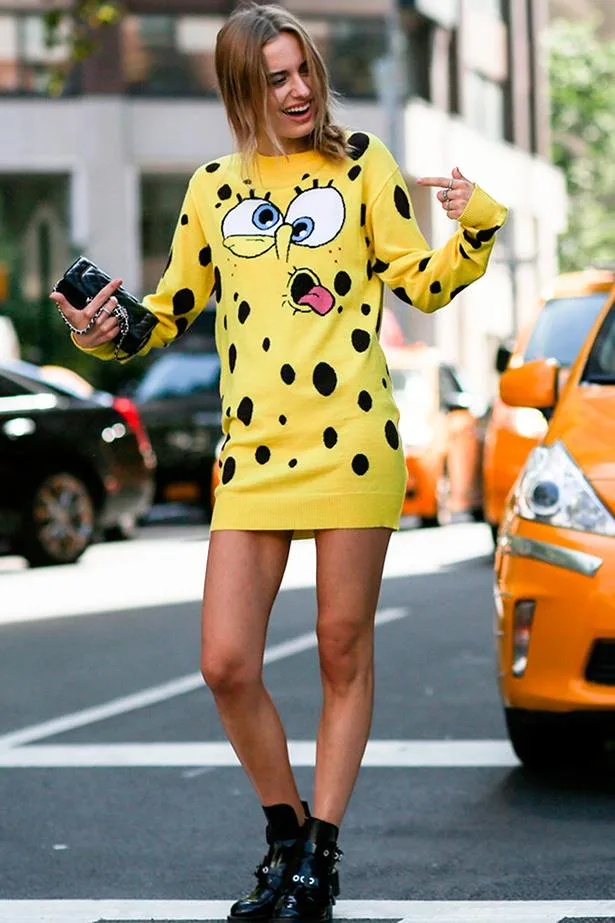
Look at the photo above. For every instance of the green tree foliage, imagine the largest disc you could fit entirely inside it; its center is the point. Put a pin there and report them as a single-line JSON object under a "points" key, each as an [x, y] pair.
{"points": [[76, 26], [582, 79]]}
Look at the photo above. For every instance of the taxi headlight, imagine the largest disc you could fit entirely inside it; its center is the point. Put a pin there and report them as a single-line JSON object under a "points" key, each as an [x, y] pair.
{"points": [[552, 489]]}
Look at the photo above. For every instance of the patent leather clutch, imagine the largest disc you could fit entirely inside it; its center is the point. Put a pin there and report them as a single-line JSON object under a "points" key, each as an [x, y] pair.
{"points": [[83, 280]]}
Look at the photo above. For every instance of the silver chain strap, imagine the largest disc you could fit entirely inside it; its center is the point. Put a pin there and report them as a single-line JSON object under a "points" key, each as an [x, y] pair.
{"points": [[120, 312]]}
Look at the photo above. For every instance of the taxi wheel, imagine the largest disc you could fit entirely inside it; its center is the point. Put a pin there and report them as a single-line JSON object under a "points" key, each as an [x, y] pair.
{"points": [[541, 744]]}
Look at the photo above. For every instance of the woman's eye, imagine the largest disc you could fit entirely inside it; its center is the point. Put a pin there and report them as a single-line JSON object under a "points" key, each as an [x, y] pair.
{"points": [[252, 217], [317, 216]]}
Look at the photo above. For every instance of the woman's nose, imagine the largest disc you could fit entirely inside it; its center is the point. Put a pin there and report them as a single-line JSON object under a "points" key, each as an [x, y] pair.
{"points": [[300, 87]]}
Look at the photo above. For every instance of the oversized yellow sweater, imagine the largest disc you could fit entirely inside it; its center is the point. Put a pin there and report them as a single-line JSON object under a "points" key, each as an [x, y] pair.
{"points": [[297, 250]]}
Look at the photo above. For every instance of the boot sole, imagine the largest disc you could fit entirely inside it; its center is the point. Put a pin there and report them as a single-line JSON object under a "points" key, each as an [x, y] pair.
{"points": [[299, 919], [264, 919]]}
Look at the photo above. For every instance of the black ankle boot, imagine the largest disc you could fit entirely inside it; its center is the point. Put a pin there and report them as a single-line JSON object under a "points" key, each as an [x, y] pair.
{"points": [[283, 836], [312, 882]]}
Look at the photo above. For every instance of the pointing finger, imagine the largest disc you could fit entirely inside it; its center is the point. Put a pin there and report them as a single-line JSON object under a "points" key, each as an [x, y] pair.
{"points": [[442, 181]]}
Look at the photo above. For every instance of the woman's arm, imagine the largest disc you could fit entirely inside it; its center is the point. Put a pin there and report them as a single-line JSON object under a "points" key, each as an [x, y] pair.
{"points": [[419, 275]]}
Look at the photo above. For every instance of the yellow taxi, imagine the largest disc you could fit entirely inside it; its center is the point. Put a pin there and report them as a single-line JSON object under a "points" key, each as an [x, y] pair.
{"points": [[557, 330], [555, 561]]}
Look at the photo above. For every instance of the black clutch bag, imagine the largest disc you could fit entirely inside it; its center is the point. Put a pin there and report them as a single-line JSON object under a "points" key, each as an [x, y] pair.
{"points": [[82, 281]]}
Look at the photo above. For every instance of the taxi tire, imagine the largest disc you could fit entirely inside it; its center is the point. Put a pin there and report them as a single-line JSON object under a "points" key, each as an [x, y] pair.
{"points": [[542, 742]]}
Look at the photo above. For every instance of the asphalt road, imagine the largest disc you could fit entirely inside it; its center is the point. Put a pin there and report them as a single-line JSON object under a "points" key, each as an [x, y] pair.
{"points": [[116, 784]]}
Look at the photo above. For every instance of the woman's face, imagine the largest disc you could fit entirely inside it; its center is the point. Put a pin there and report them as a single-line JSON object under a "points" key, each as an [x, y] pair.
{"points": [[290, 103]]}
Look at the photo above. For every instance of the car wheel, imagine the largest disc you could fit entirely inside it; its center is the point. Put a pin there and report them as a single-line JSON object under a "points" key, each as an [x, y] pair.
{"points": [[59, 521], [123, 531], [542, 743]]}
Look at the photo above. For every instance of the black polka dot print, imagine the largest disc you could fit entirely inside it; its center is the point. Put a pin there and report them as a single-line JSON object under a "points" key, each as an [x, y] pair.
{"points": [[244, 312], [435, 288], [205, 256], [357, 145], [245, 411], [266, 344], [225, 192], [402, 203], [182, 325], [212, 167], [340, 309], [217, 289], [354, 172], [342, 283], [262, 454], [384, 383], [324, 379], [370, 270], [456, 291], [365, 401], [360, 340], [360, 464], [168, 262], [228, 411], [476, 244], [292, 463], [225, 323], [365, 309], [379, 321], [424, 263], [391, 434], [184, 219], [282, 419], [228, 469], [232, 357], [235, 296], [363, 215], [463, 253], [288, 374], [329, 437], [183, 301], [402, 295], [488, 234], [380, 266]]}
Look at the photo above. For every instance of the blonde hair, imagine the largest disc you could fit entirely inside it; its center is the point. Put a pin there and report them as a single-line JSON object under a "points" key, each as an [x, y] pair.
{"points": [[242, 79]]}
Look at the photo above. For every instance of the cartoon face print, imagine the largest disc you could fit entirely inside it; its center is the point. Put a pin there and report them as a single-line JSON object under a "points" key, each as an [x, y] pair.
{"points": [[314, 218]]}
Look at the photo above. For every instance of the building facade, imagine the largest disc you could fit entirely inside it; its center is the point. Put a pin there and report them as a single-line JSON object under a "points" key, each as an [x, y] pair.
{"points": [[446, 83]]}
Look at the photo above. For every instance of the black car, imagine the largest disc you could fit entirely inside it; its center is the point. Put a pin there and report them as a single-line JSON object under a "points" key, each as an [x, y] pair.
{"points": [[71, 468], [179, 401]]}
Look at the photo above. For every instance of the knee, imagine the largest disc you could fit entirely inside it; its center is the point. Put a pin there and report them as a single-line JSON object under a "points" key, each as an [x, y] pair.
{"points": [[228, 673], [345, 651]]}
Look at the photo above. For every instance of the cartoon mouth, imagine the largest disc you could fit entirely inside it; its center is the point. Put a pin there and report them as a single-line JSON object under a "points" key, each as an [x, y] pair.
{"points": [[307, 290]]}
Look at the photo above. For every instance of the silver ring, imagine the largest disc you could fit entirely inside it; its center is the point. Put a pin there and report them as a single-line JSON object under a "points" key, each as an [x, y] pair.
{"points": [[107, 311], [445, 195], [450, 183]]}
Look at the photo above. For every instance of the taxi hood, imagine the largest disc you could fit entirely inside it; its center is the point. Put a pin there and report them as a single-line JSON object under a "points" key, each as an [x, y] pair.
{"points": [[585, 425]]}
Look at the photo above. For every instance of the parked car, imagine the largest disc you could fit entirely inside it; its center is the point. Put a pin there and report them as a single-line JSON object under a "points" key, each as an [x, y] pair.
{"points": [[70, 467], [557, 330], [555, 561], [179, 401], [440, 429]]}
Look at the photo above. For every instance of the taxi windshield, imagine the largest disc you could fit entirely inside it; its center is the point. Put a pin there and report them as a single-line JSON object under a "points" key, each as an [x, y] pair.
{"points": [[411, 388], [600, 367], [562, 326]]}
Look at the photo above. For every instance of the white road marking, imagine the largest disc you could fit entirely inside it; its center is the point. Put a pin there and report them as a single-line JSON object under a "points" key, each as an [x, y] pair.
{"points": [[165, 691], [174, 569], [404, 911], [391, 754]]}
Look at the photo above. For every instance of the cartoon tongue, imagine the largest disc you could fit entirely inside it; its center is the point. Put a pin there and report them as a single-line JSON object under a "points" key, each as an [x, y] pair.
{"points": [[319, 299]]}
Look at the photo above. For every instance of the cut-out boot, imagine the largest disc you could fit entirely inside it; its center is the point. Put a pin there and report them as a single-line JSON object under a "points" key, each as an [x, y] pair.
{"points": [[283, 836], [312, 883]]}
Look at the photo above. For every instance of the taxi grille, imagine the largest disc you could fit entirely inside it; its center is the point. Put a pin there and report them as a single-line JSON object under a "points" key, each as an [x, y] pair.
{"points": [[601, 664]]}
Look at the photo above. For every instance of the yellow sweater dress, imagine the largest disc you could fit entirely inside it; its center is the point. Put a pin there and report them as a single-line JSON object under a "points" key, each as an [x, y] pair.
{"points": [[296, 251]]}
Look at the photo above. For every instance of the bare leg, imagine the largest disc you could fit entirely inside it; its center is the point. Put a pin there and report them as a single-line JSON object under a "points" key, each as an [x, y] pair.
{"points": [[349, 574], [244, 572]]}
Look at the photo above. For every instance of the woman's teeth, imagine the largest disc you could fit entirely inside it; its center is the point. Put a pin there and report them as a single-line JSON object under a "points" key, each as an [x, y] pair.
{"points": [[297, 110]]}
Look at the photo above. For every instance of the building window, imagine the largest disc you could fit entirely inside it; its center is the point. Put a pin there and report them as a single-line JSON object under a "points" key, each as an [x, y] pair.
{"points": [[484, 105], [161, 198], [24, 58], [353, 49], [170, 55]]}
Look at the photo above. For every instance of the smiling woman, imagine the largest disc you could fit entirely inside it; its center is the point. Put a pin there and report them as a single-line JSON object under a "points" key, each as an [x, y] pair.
{"points": [[295, 234]]}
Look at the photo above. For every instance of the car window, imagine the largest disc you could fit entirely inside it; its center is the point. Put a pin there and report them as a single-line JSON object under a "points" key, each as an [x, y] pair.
{"points": [[562, 326], [180, 375], [600, 365]]}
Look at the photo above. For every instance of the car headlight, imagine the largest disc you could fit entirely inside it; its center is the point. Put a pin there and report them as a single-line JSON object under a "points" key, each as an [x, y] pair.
{"points": [[552, 489], [529, 422]]}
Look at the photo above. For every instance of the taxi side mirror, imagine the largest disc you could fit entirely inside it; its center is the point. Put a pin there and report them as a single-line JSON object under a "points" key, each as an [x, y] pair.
{"points": [[533, 384]]}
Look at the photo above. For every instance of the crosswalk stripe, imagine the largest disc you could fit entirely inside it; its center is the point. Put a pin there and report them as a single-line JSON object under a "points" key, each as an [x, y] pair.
{"points": [[403, 911]]}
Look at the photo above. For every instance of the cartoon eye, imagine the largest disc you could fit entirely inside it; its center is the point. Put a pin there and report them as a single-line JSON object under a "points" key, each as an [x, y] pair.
{"points": [[252, 216], [317, 216]]}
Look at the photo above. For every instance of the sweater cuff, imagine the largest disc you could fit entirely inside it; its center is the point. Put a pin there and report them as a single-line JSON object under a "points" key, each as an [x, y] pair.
{"points": [[482, 212]]}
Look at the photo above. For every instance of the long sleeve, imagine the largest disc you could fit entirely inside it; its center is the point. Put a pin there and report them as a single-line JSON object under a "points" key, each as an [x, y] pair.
{"points": [[184, 288], [419, 275]]}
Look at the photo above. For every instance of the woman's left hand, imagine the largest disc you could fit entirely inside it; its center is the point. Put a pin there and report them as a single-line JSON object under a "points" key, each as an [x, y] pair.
{"points": [[455, 192]]}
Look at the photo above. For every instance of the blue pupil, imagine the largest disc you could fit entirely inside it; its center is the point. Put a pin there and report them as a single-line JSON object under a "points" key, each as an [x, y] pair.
{"points": [[266, 217], [302, 228]]}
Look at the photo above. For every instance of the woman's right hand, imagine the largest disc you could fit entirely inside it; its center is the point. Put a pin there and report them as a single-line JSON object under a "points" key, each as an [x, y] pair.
{"points": [[105, 328]]}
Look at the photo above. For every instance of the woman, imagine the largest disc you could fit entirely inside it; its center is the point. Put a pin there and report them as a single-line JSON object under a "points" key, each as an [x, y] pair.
{"points": [[296, 234]]}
